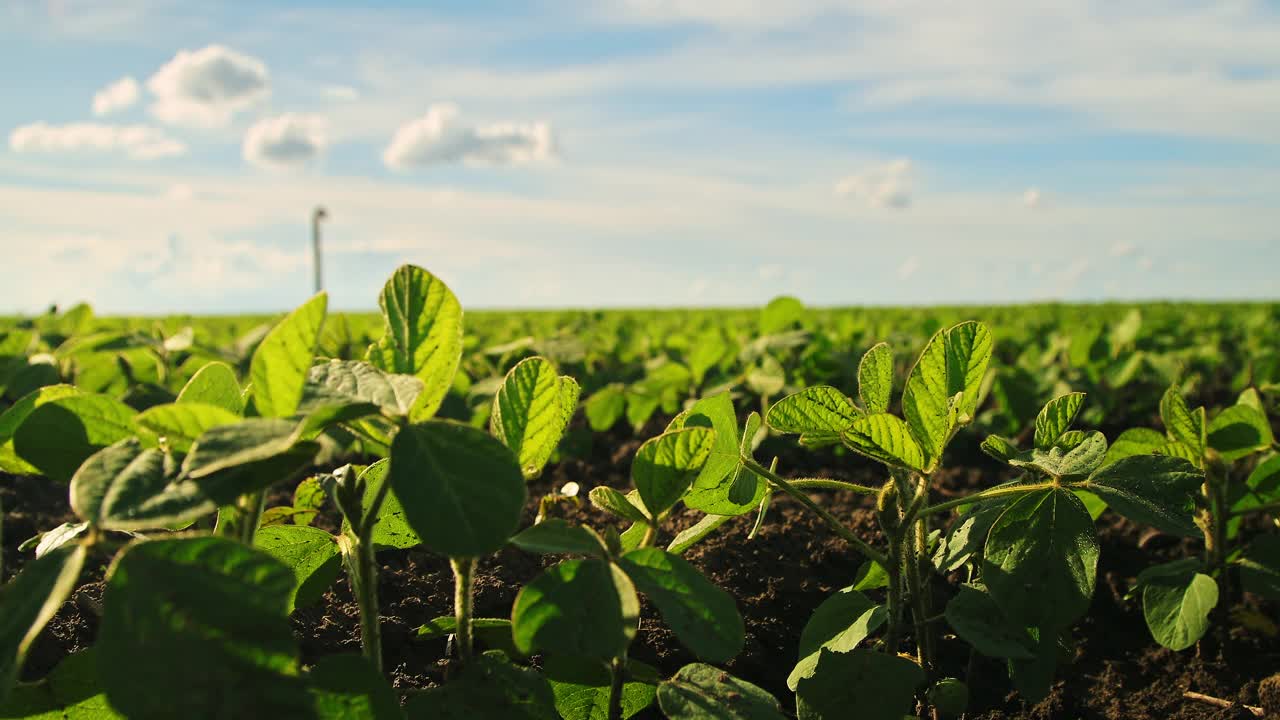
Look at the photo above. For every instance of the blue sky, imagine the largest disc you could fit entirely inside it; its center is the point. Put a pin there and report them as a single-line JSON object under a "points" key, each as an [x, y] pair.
{"points": [[162, 156]]}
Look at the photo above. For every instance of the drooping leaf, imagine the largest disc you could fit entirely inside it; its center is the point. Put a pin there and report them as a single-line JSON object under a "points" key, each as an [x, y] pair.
{"points": [[1176, 602], [279, 367], [310, 553], [665, 467], [818, 412], [116, 486], [886, 438], [704, 617], [423, 335], [29, 602], [528, 414], [1238, 431], [839, 624], [555, 536], [875, 378], [488, 687], [704, 692], [979, 621], [581, 608], [60, 434], [879, 685], [461, 489], [214, 384], [1056, 417], [353, 381], [180, 424], [1152, 489], [1041, 559]]}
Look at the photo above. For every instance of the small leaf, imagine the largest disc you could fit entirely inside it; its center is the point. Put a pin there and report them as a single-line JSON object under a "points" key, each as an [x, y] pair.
{"points": [[528, 415], [816, 412], [1238, 431], [1182, 424], [719, 479], [978, 620], [665, 467], [1152, 489], [704, 692], [214, 384], [999, 448], [695, 533], [29, 602], [279, 367], [875, 378], [310, 553], [880, 686], [555, 536], [583, 608], [885, 438], [1056, 417], [605, 406], [615, 503], [392, 529], [1176, 601], [839, 624], [60, 434], [493, 633], [180, 424], [967, 535], [704, 617], [308, 497]]}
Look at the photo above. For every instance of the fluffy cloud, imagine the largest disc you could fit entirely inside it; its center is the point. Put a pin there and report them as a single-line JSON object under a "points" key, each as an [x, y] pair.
{"points": [[887, 185], [118, 95], [207, 87], [136, 141], [440, 137], [289, 141]]}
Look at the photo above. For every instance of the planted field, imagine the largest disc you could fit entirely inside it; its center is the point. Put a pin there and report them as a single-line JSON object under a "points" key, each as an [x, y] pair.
{"points": [[983, 512]]}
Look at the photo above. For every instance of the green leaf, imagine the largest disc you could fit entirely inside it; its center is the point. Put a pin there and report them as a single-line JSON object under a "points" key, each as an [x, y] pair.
{"points": [[978, 620], [1154, 489], [248, 441], [1074, 464], [880, 686], [1176, 601], [875, 378], [780, 314], [704, 617], [214, 384], [308, 497], [554, 536], [617, 504], [310, 553], [925, 400], [582, 690], [493, 633], [392, 529], [70, 692], [582, 608], [704, 692], [355, 381], [968, 355], [967, 535], [1181, 423], [819, 412], [999, 448], [605, 406], [60, 434], [665, 467], [29, 602], [461, 489], [718, 490], [695, 533], [489, 686], [1056, 417], [180, 424], [839, 624], [1034, 678], [279, 367], [1260, 567], [15, 415], [117, 487], [423, 335], [1135, 441], [1238, 431], [886, 438], [347, 687], [528, 415], [1042, 558], [871, 575], [218, 605]]}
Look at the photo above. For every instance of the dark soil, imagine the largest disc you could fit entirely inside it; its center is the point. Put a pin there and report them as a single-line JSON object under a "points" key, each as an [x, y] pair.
{"points": [[778, 579]]}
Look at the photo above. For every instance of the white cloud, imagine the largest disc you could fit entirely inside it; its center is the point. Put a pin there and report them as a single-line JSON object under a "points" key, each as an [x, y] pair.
{"points": [[769, 272], [345, 93], [439, 137], [887, 185], [1032, 198], [206, 87], [136, 141], [1122, 248], [289, 141], [179, 192], [117, 96], [909, 267], [1145, 264]]}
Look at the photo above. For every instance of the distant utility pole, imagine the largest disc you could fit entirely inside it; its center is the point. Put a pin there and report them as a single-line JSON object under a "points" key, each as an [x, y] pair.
{"points": [[316, 216]]}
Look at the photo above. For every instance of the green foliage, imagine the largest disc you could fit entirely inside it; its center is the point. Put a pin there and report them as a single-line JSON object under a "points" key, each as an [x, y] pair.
{"points": [[70, 692], [704, 617], [310, 553], [665, 468], [60, 434], [531, 410], [580, 608], [279, 368], [703, 692], [839, 624], [180, 424], [489, 687], [880, 686], [214, 384], [29, 603], [1176, 601]]}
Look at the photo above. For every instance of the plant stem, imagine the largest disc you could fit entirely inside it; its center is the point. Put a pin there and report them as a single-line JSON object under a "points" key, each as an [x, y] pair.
{"points": [[617, 671], [650, 534], [1263, 508], [838, 527], [240, 521], [893, 599], [825, 484], [995, 492], [463, 586], [362, 572]]}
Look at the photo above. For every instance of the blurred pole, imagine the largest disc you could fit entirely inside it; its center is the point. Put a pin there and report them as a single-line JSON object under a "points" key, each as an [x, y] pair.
{"points": [[316, 216]]}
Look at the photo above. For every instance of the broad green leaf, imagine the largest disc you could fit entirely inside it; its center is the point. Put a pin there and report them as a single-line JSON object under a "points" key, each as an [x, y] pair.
{"points": [[581, 608], [116, 487], [1056, 417], [279, 367], [391, 529], [180, 424], [875, 378], [1135, 441], [665, 467], [490, 686], [355, 381], [492, 633], [555, 536], [968, 355], [214, 384], [248, 441], [999, 448], [879, 685], [308, 497], [70, 692], [718, 489], [528, 415], [29, 602], [461, 489], [693, 534], [12, 419], [839, 624], [1238, 431], [605, 406], [1034, 678], [59, 536], [582, 690], [218, 605], [1074, 464], [1181, 423], [225, 486], [322, 417], [60, 434], [617, 504], [570, 393], [886, 438], [310, 553], [704, 617], [871, 575], [966, 536], [926, 404], [422, 336], [1153, 489], [347, 687], [780, 314], [766, 378], [705, 692], [1260, 567], [979, 621], [1041, 559], [1265, 478], [1182, 450], [1176, 601], [818, 412]]}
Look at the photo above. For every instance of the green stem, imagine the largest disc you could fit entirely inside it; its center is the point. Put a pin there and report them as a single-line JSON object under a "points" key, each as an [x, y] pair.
{"points": [[994, 493], [825, 484], [838, 527], [1264, 508], [240, 521], [362, 569], [463, 587], [893, 598], [617, 673], [650, 534]]}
